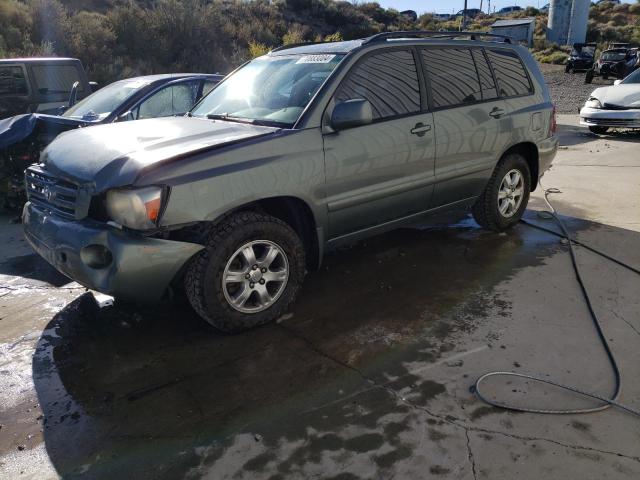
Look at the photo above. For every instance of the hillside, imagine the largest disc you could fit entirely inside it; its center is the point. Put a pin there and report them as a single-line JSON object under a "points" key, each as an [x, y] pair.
{"points": [[120, 38]]}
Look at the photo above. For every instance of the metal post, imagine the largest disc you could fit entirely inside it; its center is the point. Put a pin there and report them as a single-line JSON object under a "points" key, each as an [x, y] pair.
{"points": [[463, 25]]}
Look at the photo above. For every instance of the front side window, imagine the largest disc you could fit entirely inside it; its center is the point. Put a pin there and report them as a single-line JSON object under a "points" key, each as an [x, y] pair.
{"points": [[175, 99], [510, 73], [452, 76], [208, 86], [388, 80], [56, 79], [13, 81], [271, 90]]}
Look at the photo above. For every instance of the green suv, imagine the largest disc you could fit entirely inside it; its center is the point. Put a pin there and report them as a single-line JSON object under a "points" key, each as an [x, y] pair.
{"points": [[296, 152]]}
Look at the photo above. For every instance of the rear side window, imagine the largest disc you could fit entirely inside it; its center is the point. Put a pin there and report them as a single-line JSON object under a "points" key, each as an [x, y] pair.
{"points": [[487, 84], [12, 81], [52, 79], [452, 76], [389, 80], [510, 73]]}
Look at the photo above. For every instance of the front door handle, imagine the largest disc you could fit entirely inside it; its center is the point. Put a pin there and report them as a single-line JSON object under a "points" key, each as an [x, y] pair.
{"points": [[496, 112], [420, 129]]}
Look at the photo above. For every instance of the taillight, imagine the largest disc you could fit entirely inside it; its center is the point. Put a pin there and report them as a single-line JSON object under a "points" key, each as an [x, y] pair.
{"points": [[553, 124]]}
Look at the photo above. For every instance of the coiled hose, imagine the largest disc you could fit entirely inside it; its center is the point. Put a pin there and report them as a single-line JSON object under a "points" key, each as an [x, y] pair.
{"points": [[607, 401]]}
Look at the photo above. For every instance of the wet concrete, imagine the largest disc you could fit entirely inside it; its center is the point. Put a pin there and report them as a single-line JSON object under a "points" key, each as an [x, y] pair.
{"points": [[368, 376]]}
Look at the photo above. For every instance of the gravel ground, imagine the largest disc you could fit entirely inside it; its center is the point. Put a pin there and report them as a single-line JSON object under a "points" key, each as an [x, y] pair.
{"points": [[568, 91]]}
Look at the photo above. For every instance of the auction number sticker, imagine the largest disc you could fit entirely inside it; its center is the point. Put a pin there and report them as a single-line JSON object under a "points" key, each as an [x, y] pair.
{"points": [[316, 59]]}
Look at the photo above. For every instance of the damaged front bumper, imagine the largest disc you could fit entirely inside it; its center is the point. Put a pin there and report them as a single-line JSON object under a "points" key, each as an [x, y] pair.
{"points": [[601, 117], [106, 259]]}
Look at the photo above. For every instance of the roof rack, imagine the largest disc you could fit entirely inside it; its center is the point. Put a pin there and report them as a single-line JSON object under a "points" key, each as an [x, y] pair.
{"points": [[380, 37]]}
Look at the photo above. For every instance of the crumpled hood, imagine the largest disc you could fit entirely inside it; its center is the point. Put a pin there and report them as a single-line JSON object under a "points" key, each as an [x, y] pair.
{"points": [[114, 154], [620, 95], [16, 129]]}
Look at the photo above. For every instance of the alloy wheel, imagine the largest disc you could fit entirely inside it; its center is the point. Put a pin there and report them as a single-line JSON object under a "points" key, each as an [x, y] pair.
{"points": [[510, 193], [255, 276]]}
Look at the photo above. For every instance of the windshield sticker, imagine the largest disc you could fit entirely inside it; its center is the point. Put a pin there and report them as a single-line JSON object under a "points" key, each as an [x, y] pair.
{"points": [[316, 59]]}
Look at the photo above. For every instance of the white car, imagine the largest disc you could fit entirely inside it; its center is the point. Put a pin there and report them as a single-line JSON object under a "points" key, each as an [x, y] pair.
{"points": [[615, 106]]}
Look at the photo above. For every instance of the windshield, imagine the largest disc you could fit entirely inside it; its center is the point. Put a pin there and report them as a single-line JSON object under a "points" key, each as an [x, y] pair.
{"points": [[271, 90], [582, 53], [613, 56], [100, 104], [632, 77]]}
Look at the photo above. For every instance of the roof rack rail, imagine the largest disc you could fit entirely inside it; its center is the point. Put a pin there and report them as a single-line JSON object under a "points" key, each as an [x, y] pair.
{"points": [[294, 45], [380, 37]]}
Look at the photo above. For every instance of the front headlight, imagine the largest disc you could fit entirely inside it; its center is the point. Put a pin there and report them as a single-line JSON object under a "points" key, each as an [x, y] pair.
{"points": [[139, 208], [593, 103]]}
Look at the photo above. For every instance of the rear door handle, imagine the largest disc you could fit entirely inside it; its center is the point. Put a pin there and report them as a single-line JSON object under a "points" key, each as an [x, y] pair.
{"points": [[420, 129], [496, 112]]}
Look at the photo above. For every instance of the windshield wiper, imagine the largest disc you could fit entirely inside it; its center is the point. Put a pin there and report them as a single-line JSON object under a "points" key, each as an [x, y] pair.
{"points": [[251, 121], [226, 116]]}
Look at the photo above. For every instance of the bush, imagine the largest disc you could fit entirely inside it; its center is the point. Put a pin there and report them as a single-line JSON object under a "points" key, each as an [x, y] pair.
{"points": [[555, 58]]}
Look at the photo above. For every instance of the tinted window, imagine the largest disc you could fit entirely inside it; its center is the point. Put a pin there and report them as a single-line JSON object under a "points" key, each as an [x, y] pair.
{"points": [[487, 84], [12, 81], [56, 78], [510, 73], [388, 80], [452, 76]]}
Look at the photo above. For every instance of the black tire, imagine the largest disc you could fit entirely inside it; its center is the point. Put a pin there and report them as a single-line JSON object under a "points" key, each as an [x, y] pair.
{"points": [[567, 69], [599, 130], [588, 78], [203, 278], [486, 211], [605, 76]]}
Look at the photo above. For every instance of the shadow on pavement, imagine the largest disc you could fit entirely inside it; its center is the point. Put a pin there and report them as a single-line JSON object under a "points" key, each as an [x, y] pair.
{"points": [[153, 393], [571, 135]]}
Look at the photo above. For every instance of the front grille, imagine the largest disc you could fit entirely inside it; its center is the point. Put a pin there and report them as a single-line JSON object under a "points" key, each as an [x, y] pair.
{"points": [[50, 193]]}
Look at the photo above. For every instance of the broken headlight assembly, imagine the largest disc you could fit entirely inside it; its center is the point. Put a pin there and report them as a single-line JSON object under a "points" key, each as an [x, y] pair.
{"points": [[139, 208], [593, 102]]}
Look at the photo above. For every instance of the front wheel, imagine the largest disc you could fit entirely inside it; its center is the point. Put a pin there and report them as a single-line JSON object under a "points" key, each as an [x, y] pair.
{"points": [[249, 272], [506, 195], [588, 78], [599, 130]]}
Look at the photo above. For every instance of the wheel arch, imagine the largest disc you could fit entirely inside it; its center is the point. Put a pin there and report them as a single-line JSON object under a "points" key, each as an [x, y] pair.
{"points": [[529, 151], [292, 210]]}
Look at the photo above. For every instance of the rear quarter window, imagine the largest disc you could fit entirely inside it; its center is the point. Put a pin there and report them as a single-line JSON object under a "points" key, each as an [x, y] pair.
{"points": [[52, 79], [511, 75], [13, 81]]}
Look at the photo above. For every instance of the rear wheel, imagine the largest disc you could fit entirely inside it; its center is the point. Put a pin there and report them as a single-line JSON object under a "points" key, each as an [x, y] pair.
{"points": [[505, 197], [249, 272], [599, 130]]}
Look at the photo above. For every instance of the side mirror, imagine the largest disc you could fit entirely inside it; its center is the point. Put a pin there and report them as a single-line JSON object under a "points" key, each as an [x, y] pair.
{"points": [[351, 113], [617, 82], [73, 95]]}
